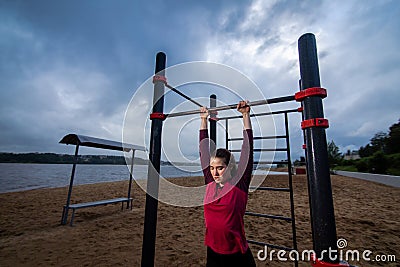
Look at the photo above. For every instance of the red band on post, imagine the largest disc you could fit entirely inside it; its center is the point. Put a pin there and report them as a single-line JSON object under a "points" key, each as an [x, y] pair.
{"points": [[213, 115], [157, 115], [159, 78], [316, 122], [304, 146], [317, 263], [312, 91], [300, 109]]}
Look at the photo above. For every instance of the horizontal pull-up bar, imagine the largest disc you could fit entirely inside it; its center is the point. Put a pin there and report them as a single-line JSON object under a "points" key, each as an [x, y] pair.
{"points": [[261, 114], [261, 150], [233, 106], [259, 137]]}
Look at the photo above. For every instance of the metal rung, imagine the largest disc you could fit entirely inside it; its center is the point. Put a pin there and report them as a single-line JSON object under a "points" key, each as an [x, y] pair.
{"points": [[262, 114], [259, 137], [261, 149], [271, 188], [275, 217], [270, 162], [269, 245]]}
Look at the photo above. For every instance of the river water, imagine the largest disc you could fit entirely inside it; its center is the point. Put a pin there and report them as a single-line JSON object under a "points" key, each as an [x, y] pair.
{"points": [[20, 177]]}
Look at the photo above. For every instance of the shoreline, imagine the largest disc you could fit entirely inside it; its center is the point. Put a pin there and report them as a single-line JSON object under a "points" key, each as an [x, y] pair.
{"points": [[25, 178]]}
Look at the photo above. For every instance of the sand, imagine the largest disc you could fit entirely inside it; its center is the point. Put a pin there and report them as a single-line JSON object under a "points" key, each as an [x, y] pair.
{"points": [[367, 216]]}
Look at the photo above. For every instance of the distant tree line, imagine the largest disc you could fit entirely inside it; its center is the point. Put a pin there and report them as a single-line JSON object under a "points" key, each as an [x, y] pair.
{"points": [[53, 158], [380, 155]]}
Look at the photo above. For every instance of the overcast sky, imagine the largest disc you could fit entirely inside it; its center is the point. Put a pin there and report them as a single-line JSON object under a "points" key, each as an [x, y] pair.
{"points": [[73, 66]]}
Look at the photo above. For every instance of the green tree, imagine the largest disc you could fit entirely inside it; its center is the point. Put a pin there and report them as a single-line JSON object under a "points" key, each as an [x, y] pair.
{"points": [[366, 151], [334, 155], [362, 165], [393, 140], [378, 163], [377, 143]]}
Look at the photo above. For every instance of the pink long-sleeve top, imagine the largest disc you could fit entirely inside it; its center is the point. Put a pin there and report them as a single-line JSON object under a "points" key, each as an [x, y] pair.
{"points": [[224, 207]]}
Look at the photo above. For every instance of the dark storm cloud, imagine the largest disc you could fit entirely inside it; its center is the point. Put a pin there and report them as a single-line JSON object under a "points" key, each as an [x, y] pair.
{"points": [[72, 66]]}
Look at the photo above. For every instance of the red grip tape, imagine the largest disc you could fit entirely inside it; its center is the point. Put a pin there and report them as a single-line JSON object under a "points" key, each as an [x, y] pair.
{"points": [[312, 91], [316, 122]]}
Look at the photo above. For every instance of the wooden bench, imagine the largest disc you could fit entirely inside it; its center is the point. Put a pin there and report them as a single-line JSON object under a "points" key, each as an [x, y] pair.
{"points": [[96, 203]]}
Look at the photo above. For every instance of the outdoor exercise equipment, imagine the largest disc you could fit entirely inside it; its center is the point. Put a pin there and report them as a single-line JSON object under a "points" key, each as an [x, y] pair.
{"points": [[323, 224]]}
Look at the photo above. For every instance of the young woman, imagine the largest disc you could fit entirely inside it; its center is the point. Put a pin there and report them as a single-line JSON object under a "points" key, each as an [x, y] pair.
{"points": [[226, 196]]}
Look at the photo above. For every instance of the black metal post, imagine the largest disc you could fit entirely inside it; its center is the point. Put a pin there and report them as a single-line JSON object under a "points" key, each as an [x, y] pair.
{"points": [[319, 183], [151, 209], [213, 124], [226, 134], [71, 184], [130, 180]]}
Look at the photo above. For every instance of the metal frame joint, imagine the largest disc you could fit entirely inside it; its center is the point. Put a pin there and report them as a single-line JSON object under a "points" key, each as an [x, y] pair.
{"points": [[213, 115], [158, 116], [159, 78], [312, 91], [315, 122]]}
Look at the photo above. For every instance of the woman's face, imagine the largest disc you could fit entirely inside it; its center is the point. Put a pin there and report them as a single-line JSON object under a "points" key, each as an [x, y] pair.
{"points": [[219, 170]]}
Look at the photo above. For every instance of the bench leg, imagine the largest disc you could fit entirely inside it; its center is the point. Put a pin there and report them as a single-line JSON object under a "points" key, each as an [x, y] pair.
{"points": [[63, 215], [72, 217]]}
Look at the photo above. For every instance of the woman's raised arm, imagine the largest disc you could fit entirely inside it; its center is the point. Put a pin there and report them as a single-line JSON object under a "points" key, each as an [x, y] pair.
{"points": [[244, 108]]}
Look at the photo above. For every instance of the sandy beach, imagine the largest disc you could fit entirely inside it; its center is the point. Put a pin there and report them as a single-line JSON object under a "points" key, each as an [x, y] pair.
{"points": [[31, 235]]}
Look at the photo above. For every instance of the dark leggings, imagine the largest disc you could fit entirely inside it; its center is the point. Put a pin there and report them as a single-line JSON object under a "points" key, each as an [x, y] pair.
{"points": [[238, 259]]}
